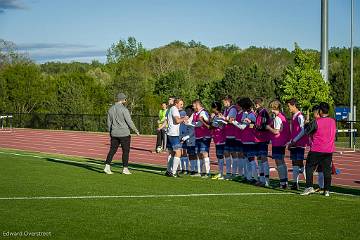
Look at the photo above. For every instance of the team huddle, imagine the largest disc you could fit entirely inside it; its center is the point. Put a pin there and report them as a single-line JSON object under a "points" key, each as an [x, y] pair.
{"points": [[242, 131]]}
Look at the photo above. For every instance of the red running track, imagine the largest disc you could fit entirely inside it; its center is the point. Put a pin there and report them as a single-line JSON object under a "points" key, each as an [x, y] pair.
{"points": [[96, 145]]}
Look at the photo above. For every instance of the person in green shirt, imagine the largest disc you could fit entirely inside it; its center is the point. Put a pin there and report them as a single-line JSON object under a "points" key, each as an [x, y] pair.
{"points": [[161, 132]]}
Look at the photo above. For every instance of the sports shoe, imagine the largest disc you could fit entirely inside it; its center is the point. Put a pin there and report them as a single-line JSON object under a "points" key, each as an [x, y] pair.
{"points": [[216, 177], [227, 176], [295, 186], [196, 175], [126, 171], [318, 190], [327, 193], [308, 191], [206, 175], [107, 169], [284, 186]]}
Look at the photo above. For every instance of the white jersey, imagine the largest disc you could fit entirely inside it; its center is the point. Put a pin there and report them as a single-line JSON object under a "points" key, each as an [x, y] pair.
{"points": [[173, 127]]}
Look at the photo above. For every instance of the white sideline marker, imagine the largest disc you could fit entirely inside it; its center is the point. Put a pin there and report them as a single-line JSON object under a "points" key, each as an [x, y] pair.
{"points": [[146, 196]]}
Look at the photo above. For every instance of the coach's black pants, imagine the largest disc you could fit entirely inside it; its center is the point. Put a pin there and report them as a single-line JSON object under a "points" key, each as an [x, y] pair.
{"points": [[160, 140], [323, 160], [125, 146]]}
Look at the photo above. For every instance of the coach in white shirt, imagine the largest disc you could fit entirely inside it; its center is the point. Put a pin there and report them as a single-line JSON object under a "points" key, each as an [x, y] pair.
{"points": [[173, 143]]}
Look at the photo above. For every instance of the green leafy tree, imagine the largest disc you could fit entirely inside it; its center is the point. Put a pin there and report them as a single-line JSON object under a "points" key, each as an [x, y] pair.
{"points": [[303, 81], [124, 49]]}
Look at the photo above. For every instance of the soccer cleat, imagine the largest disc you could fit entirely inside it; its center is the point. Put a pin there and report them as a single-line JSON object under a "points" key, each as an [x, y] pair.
{"points": [[308, 191], [318, 190], [284, 186], [216, 177], [196, 175], [327, 193], [227, 176], [207, 175], [295, 186], [126, 171]]}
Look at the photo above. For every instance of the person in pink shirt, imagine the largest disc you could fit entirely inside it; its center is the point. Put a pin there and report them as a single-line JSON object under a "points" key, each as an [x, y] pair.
{"points": [[262, 141], [280, 135], [298, 142], [217, 132], [322, 148], [201, 122], [229, 115]]}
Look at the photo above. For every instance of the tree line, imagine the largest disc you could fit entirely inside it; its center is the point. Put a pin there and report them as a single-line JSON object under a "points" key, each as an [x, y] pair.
{"points": [[190, 70]]}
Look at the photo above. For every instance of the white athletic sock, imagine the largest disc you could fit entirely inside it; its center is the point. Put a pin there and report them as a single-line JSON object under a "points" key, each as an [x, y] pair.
{"points": [[296, 170], [261, 171], [176, 163], [321, 180], [228, 165], [193, 165], [170, 163], [202, 166], [282, 170], [254, 172], [241, 163], [207, 165], [303, 172], [186, 164], [221, 166], [235, 166], [249, 170], [266, 168], [198, 164]]}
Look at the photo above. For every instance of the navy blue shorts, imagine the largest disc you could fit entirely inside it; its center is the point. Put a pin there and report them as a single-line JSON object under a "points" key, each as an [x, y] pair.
{"points": [[191, 150], [220, 151], [230, 145], [173, 143], [183, 145], [249, 150], [239, 146], [297, 153], [278, 153], [202, 145], [262, 149]]}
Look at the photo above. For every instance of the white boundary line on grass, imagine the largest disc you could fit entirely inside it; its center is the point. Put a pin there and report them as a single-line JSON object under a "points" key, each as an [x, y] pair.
{"points": [[145, 196]]}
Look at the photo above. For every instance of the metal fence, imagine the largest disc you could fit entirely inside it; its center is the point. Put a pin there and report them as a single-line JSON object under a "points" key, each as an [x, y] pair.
{"points": [[77, 122]]}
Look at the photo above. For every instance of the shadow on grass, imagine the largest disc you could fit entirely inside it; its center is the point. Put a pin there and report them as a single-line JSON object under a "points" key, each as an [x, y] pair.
{"points": [[274, 185], [77, 164], [138, 167]]}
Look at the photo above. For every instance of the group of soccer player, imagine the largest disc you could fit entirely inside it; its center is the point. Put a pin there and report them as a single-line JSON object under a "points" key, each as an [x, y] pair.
{"points": [[242, 130]]}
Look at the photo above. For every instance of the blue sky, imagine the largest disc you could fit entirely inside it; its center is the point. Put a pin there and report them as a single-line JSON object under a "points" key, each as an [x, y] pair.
{"points": [[82, 30]]}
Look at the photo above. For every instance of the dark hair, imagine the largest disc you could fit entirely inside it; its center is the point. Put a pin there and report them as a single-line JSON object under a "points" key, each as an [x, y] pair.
{"points": [[228, 98], [197, 101], [246, 103], [258, 100], [216, 105], [293, 102], [172, 97], [324, 107], [189, 110], [315, 108]]}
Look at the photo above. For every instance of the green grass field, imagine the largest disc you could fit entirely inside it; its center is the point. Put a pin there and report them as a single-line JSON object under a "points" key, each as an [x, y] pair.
{"points": [[151, 215]]}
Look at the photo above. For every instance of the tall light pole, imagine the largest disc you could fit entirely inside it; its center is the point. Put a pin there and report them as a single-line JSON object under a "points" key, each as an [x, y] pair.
{"points": [[352, 113], [324, 40]]}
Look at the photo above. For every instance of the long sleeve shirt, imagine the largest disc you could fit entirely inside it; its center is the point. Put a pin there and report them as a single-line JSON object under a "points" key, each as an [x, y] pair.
{"points": [[119, 121]]}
